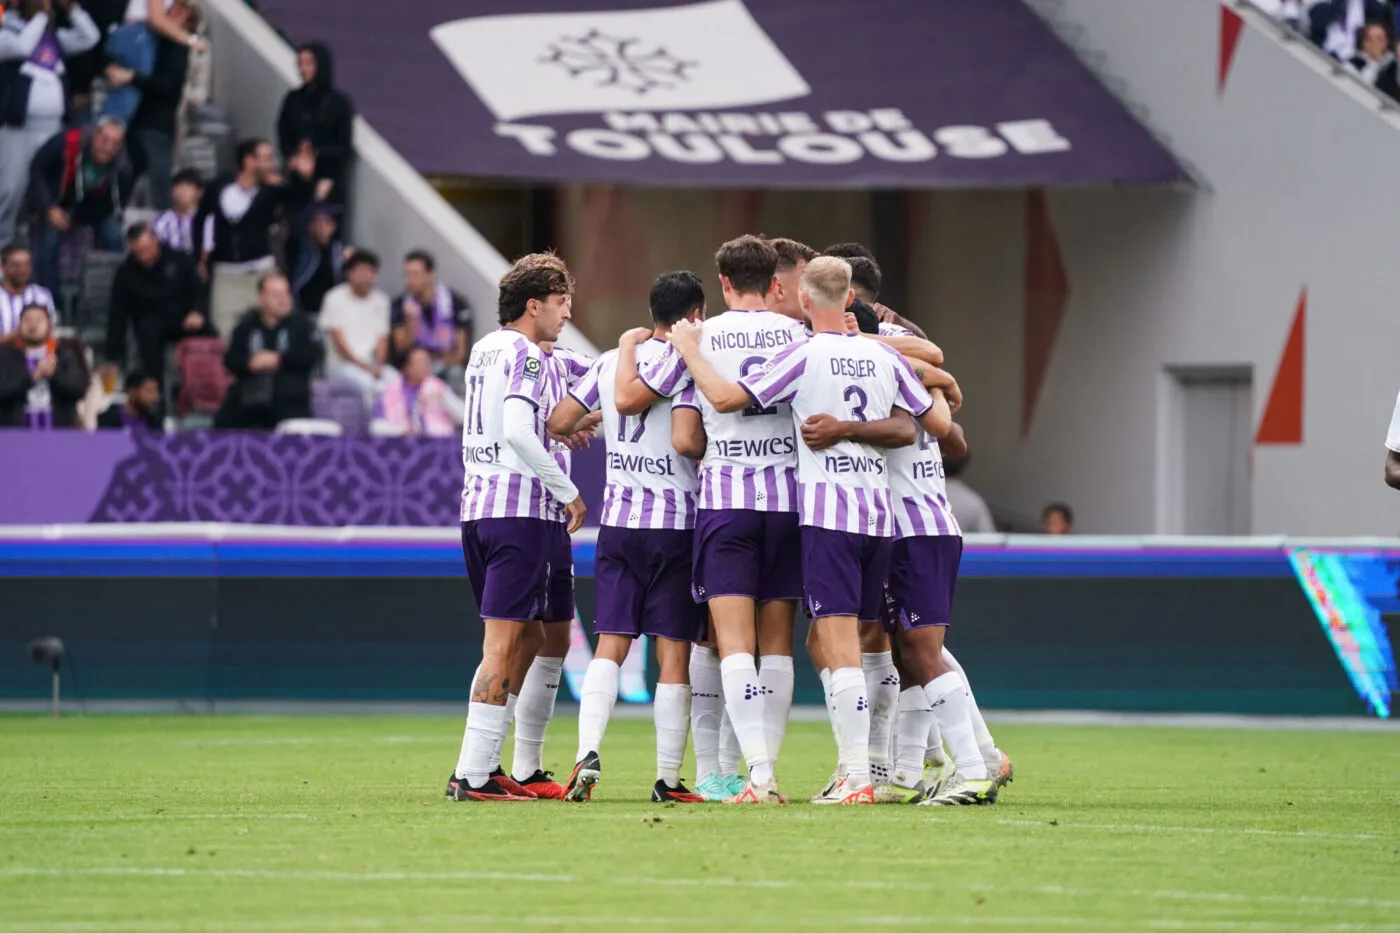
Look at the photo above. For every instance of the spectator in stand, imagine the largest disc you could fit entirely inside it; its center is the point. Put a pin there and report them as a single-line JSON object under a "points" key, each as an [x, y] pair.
{"points": [[430, 315], [271, 355], [152, 128], [319, 121], [968, 506], [41, 379], [141, 408], [158, 295], [355, 321], [1373, 53], [1057, 519], [80, 178], [133, 46], [175, 227], [417, 402], [1289, 12], [316, 258], [34, 42], [86, 68], [241, 210], [16, 292], [1336, 24]]}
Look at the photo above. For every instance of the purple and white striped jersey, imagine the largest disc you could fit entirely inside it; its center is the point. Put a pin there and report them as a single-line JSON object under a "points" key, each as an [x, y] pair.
{"points": [[894, 330], [919, 490], [649, 484], [751, 455], [12, 306], [496, 483], [569, 367], [846, 486]]}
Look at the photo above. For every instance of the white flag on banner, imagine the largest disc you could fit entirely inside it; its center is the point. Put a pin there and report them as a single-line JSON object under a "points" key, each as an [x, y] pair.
{"points": [[698, 57]]}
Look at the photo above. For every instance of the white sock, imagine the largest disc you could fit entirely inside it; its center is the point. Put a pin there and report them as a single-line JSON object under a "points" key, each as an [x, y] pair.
{"points": [[743, 697], [882, 689], [461, 768], [934, 753], [775, 675], [947, 694], [532, 715], [595, 706], [824, 675], [706, 710], [911, 736], [729, 752], [990, 752], [510, 718], [671, 712], [486, 728], [853, 714]]}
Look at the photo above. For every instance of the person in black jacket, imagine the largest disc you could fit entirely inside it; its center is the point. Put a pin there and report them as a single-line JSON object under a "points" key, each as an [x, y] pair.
{"points": [[80, 178], [271, 355], [244, 207], [319, 121], [316, 256], [41, 379], [152, 129], [156, 292]]}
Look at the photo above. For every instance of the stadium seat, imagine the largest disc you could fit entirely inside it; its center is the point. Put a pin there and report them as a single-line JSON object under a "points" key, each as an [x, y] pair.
{"points": [[319, 426], [341, 402], [203, 380]]}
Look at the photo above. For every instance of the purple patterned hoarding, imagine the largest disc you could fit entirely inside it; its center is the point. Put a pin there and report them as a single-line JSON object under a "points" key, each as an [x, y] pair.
{"points": [[735, 93], [244, 477]]}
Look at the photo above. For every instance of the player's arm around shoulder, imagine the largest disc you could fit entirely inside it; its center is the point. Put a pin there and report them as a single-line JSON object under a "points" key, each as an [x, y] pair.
{"points": [[724, 395], [631, 394]]}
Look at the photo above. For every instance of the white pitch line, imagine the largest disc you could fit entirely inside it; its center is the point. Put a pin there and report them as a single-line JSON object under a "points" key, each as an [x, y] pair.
{"points": [[1151, 828], [627, 880]]}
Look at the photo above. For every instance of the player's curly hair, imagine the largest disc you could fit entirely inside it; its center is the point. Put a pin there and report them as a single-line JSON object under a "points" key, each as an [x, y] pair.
{"points": [[536, 276]]}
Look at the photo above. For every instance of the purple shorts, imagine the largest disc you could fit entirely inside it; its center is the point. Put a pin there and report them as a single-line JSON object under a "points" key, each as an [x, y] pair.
{"points": [[923, 576], [559, 593], [508, 566], [742, 552], [642, 584], [844, 574]]}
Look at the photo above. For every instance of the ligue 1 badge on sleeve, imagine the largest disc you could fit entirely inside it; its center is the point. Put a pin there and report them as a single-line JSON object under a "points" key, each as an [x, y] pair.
{"points": [[532, 369]]}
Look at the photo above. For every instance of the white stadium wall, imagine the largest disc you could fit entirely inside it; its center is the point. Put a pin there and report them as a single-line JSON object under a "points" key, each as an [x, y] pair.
{"points": [[1296, 191]]}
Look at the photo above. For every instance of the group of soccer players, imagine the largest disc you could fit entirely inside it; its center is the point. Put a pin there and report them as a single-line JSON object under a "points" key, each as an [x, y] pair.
{"points": [[785, 451]]}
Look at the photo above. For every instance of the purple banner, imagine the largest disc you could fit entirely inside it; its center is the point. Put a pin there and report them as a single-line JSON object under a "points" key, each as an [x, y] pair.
{"points": [[244, 477], [737, 93]]}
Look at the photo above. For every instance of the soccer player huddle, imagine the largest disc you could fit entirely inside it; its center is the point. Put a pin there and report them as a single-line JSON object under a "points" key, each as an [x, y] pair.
{"points": [[788, 450]]}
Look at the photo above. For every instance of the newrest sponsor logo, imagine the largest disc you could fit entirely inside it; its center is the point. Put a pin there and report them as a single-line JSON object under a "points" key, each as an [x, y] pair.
{"points": [[654, 77]]}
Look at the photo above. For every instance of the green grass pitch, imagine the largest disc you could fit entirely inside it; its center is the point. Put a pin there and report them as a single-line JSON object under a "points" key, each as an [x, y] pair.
{"points": [[337, 823]]}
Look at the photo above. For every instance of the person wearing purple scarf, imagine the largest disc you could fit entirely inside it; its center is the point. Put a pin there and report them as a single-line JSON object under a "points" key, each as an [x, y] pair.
{"points": [[429, 315], [41, 379]]}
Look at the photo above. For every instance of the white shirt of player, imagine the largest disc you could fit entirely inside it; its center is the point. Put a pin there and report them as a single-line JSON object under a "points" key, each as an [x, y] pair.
{"points": [[569, 367], [919, 490], [497, 483], [845, 487], [1392, 436], [751, 455], [649, 484]]}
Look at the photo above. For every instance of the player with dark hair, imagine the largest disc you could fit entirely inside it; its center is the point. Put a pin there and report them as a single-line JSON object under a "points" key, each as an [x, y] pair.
{"points": [[513, 499], [645, 544], [747, 564], [867, 279]]}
